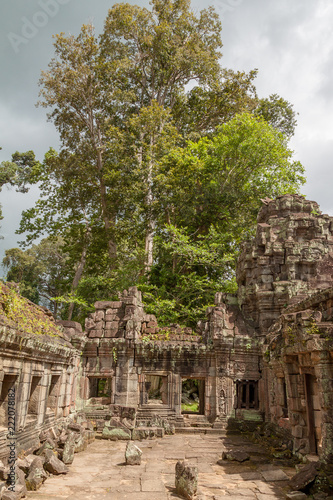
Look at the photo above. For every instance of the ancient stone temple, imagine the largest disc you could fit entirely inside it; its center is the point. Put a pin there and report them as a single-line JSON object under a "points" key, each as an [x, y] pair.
{"points": [[264, 354]]}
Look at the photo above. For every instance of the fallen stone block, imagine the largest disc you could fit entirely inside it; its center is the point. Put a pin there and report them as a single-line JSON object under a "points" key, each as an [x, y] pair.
{"points": [[3, 472], [305, 477], [140, 433], [81, 442], [274, 475], [69, 449], [186, 480], [116, 434], [19, 492], [235, 456], [62, 438], [37, 475], [296, 495], [53, 464], [47, 445], [75, 427], [132, 454], [3, 487], [24, 464]]}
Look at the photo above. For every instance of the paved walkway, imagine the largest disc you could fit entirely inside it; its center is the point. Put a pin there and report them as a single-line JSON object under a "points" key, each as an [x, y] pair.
{"points": [[100, 473]]}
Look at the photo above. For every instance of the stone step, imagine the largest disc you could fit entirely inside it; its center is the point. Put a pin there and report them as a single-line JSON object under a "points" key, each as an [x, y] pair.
{"points": [[200, 430]]}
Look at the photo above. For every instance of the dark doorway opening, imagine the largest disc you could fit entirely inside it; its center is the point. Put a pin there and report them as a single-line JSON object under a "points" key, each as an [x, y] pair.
{"points": [[193, 396], [313, 410], [8, 384], [284, 400], [99, 387], [156, 389], [247, 394], [33, 406], [52, 400]]}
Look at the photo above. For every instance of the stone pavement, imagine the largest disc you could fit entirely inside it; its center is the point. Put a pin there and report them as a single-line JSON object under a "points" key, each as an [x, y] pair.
{"points": [[100, 472]]}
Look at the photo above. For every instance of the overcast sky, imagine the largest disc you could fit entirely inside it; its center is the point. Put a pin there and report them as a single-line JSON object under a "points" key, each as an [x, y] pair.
{"points": [[289, 41]]}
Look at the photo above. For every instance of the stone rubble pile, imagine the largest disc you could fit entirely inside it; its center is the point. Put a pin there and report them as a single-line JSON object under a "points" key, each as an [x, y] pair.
{"points": [[56, 451]]}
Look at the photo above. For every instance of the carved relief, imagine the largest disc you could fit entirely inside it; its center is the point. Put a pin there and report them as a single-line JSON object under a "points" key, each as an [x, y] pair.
{"points": [[225, 396]]}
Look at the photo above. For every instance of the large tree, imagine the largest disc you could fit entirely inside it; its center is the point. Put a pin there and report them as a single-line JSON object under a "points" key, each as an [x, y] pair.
{"points": [[150, 85]]}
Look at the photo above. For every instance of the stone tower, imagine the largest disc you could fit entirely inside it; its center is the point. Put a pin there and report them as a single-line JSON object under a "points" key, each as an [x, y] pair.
{"points": [[290, 257]]}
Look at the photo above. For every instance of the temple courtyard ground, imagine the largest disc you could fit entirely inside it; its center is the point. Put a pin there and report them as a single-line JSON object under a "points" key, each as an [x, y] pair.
{"points": [[100, 472]]}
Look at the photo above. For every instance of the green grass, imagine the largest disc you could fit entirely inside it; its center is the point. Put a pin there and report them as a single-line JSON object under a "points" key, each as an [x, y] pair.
{"points": [[192, 407]]}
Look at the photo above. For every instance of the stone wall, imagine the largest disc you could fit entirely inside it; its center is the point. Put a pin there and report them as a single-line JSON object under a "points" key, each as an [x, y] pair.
{"points": [[41, 370], [299, 373]]}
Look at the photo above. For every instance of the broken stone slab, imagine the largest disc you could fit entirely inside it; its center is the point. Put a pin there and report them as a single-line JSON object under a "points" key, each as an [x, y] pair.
{"points": [[3, 487], [306, 476], [235, 456], [69, 449], [53, 464], [186, 480], [24, 464], [116, 434], [75, 427], [274, 475], [140, 433], [19, 492], [296, 495], [37, 475], [49, 444], [3, 471], [16, 490], [132, 454], [81, 442]]}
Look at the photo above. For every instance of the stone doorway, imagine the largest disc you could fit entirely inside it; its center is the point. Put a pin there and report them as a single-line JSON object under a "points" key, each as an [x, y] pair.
{"points": [[193, 396], [8, 383], [52, 399], [156, 389], [314, 418], [34, 398], [99, 387], [247, 394]]}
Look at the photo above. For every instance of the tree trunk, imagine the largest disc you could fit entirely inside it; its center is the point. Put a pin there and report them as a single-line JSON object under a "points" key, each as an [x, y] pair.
{"points": [[80, 268], [149, 244], [151, 224], [76, 280], [108, 223]]}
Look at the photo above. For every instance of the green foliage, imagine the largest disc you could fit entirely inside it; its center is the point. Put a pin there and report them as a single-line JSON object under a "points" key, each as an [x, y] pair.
{"points": [[40, 270], [24, 315], [19, 172]]}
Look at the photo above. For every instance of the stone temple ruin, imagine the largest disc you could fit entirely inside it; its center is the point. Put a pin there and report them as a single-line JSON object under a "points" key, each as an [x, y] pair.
{"points": [[265, 354]]}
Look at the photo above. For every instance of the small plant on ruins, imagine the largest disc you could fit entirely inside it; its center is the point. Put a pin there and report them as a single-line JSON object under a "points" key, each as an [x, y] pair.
{"points": [[291, 332], [162, 335], [313, 328]]}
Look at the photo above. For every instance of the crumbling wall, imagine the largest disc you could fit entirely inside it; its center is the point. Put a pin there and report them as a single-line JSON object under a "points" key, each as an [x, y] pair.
{"points": [[299, 352], [290, 257], [37, 371]]}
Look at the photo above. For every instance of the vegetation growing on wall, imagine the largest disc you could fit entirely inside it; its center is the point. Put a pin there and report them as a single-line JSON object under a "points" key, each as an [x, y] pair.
{"points": [[18, 312]]}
